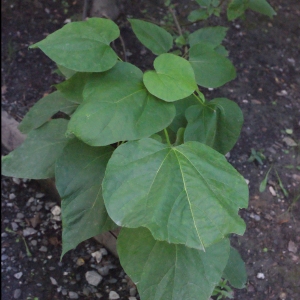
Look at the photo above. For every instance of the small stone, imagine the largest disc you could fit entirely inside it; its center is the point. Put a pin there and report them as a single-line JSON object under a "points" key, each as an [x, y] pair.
{"points": [[290, 142], [16, 180], [43, 249], [53, 281], [99, 295], [132, 291], [18, 275], [272, 191], [80, 262], [103, 251], [260, 275], [98, 256], [12, 196], [64, 292], [292, 247], [17, 293], [33, 242], [56, 210], [39, 195], [255, 217], [133, 298], [14, 226], [104, 271], [56, 218], [93, 278], [282, 296], [20, 216], [4, 257], [73, 295], [113, 295]]}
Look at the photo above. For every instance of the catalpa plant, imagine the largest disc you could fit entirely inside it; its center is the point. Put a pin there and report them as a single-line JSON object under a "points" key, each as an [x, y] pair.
{"points": [[142, 151]]}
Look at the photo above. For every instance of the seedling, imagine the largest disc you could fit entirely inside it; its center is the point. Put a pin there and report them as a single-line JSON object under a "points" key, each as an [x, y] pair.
{"points": [[145, 152], [256, 156]]}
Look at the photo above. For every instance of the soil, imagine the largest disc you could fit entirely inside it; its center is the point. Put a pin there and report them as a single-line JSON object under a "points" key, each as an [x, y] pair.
{"points": [[267, 88]]}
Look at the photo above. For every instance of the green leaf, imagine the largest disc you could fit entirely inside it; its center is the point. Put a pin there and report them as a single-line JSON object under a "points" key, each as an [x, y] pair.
{"points": [[204, 2], [117, 107], [44, 109], [73, 87], [217, 124], [235, 270], [78, 176], [181, 106], [198, 15], [236, 8], [221, 50], [211, 69], [209, 35], [188, 194], [262, 7], [263, 184], [65, 71], [36, 157], [82, 46], [155, 38], [164, 271], [179, 137], [173, 78]]}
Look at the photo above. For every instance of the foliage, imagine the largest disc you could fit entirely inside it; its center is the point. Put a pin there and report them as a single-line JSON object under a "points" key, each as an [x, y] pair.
{"points": [[144, 151]]}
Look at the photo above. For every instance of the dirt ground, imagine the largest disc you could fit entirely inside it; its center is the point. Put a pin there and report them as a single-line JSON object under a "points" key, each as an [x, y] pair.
{"points": [[266, 55]]}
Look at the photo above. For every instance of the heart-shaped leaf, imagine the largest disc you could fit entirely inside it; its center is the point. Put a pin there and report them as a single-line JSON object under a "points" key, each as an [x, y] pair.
{"points": [[73, 87], [188, 194], [236, 8], [262, 7], [44, 109], [117, 107], [82, 46], [78, 177], [157, 39], [216, 123], [211, 69], [235, 270], [164, 271], [36, 157], [210, 35], [173, 78]]}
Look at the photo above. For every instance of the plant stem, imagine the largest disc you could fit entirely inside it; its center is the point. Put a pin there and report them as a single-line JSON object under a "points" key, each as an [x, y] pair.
{"points": [[167, 137], [198, 97]]}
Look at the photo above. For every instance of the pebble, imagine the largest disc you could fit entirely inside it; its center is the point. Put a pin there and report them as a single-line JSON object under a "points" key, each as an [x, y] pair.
{"points": [[133, 298], [14, 226], [73, 295], [132, 291], [53, 281], [93, 278], [12, 196], [103, 251], [33, 242], [4, 257], [104, 271], [20, 216], [113, 295], [56, 210], [272, 191], [43, 249], [282, 296], [29, 231], [98, 256], [260, 275], [18, 275], [17, 293], [16, 180], [64, 292], [80, 262], [39, 195], [255, 217]]}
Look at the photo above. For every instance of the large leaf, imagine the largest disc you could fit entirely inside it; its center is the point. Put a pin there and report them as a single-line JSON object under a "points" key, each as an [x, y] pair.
{"points": [[211, 69], [188, 194], [82, 46], [173, 78], [216, 123], [79, 173], [210, 35], [198, 14], [235, 270], [236, 8], [117, 107], [262, 7], [65, 71], [165, 271], [157, 39], [181, 106], [36, 157], [73, 87], [44, 109]]}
